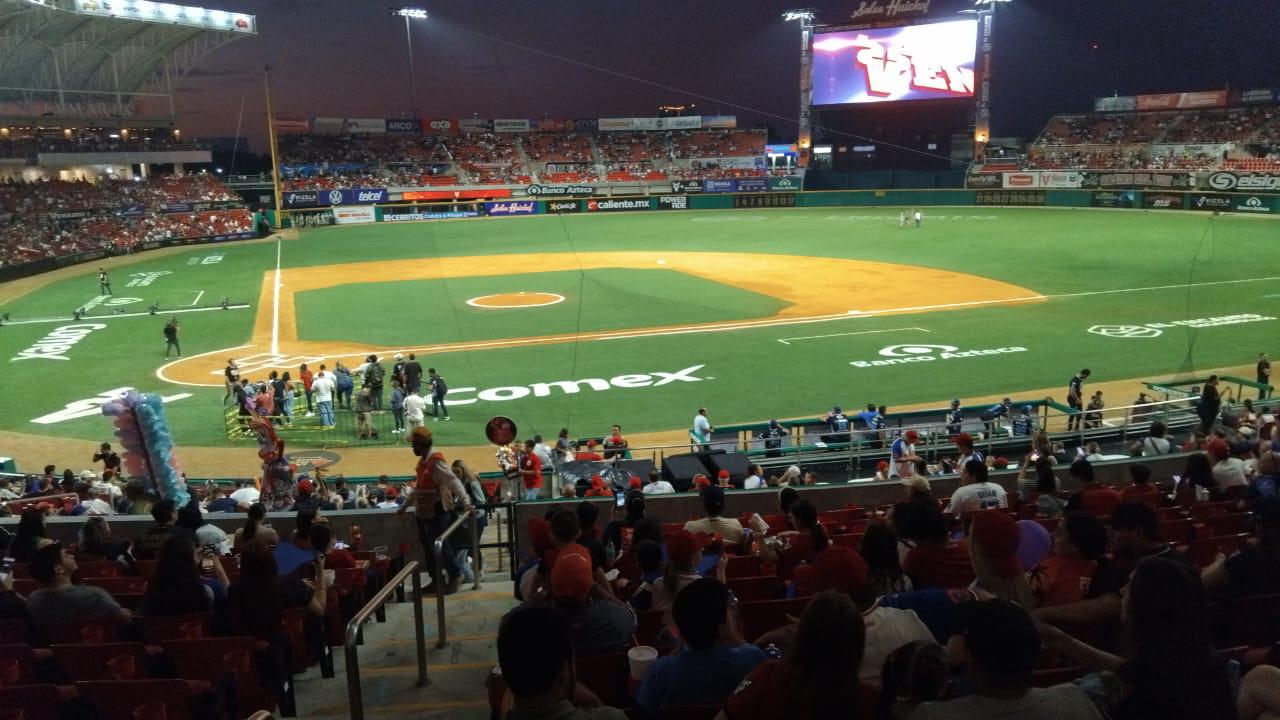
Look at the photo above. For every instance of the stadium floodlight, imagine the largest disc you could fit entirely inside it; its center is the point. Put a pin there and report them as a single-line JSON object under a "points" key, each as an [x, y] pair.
{"points": [[411, 13], [805, 14]]}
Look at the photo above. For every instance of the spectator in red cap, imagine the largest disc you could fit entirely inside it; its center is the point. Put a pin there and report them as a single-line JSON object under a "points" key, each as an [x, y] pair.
{"points": [[635, 483], [601, 624], [723, 479], [993, 548], [390, 498], [306, 498], [712, 659], [700, 482], [681, 569], [818, 677], [590, 454], [598, 488], [964, 445], [1228, 471], [1093, 497], [728, 528], [904, 455]]}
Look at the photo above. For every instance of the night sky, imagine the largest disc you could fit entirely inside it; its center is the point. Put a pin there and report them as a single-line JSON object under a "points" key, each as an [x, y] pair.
{"points": [[348, 58]]}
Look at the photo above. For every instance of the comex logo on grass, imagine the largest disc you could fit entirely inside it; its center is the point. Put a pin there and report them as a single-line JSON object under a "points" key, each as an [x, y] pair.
{"points": [[570, 387], [916, 353], [1156, 329]]}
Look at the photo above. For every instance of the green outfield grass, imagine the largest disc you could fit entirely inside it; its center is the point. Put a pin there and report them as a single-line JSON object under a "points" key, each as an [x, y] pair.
{"points": [[1096, 267]]}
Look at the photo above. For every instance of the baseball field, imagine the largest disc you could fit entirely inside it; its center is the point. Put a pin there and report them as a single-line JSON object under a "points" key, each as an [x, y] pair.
{"points": [[586, 320]]}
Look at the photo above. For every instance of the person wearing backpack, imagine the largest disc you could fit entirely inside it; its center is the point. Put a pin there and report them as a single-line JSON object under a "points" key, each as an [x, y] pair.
{"points": [[373, 377], [438, 390]]}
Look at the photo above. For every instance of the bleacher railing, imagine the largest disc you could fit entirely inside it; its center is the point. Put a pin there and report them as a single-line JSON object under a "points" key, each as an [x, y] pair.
{"points": [[355, 696], [437, 571]]}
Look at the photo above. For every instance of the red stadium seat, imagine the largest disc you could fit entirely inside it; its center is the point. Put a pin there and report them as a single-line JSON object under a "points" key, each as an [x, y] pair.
{"points": [[38, 702], [208, 659], [118, 699], [751, 589], [759, 618], [18, 665], [94, 662]]}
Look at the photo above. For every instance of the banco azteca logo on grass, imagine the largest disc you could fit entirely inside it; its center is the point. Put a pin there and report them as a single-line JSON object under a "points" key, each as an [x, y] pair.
{"points": [[920, 352]]}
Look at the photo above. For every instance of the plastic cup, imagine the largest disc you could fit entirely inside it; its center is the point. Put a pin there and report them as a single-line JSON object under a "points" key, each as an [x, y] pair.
{"points": [[122, 667], [641, 659]]}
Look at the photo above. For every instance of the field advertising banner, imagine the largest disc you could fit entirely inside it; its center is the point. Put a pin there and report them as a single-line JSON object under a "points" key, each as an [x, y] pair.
{"points": [[354, 215], [1009, 197], [788, 183], [916, 62], [614, 205], [983, 180], [513, 207], [1162, 201], [1115, 199], [1240, 182]]}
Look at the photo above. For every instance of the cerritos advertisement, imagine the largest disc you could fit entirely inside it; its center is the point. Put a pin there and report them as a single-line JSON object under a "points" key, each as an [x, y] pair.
{"points": [[618, 204]]}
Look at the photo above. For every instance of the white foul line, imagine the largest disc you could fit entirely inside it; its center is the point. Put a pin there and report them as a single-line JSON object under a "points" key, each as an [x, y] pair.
{"points": [[786, 341], [198, 296], [275, 307], [95, 318]]}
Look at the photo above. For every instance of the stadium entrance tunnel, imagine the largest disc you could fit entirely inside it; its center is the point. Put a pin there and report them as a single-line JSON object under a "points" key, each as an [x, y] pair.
{"points": [[811, 290]]}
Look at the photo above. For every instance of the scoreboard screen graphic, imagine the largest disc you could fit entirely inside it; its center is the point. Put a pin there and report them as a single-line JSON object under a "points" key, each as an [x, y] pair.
{"points": [[914, 62]]}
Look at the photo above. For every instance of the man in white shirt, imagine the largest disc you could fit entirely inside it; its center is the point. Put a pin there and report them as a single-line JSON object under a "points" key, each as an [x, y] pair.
{"points": [[98, 485], [245, 495], [975, 491], [657, 486], [95, 504], [1228, 471], [701, 429], [713, 502], [414, 409], [754, 479], [323, 386], [389, 502]]}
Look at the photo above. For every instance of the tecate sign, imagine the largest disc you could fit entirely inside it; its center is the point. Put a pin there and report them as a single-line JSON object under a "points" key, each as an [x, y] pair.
{"points": [[572, 387], [607, 205], [918, 353], [1246, 182], [55, 345], [560, 190]]}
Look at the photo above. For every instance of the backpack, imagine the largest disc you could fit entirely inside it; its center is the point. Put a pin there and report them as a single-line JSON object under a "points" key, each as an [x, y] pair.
{"points": [[373, 374], [440, 387]]}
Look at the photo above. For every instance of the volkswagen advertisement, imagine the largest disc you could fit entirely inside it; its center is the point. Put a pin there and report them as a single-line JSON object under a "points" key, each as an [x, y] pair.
{"points": [[916, 62]]}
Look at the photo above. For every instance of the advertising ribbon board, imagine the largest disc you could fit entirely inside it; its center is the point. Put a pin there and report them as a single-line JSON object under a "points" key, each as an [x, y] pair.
{"points": [[511, 125], [787, 183], [1201, 201], [753, 185], [467, 125], [370, 126], [1255, 204], [720, 121], [543, 190], [353, 196], [686, 186], [767, 200], [564, 206], [1139, 180], [513, 207], [301, 198], [1059, 179], [1115, 199], [440, 126], [1021, 179], [673, 202], [411, 215], [1162, 201], [455, 194], [983, 180], [403, 126], [354, 215], [719, 186], [613, 205], [1009, 197], [1240, 182], [616, 124]]}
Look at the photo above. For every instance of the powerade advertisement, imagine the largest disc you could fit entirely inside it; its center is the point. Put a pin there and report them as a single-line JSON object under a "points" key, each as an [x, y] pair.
{"points": [[916, 62], [513, 207]]}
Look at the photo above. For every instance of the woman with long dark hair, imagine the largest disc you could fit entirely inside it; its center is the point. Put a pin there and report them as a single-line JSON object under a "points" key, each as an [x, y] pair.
{"points": [[176, 587], [256, 529], [818, 678], [798, 546], [1197, 475], [1172, 673], [879, 548], [30, 533], [256, 601], [96, 543]]}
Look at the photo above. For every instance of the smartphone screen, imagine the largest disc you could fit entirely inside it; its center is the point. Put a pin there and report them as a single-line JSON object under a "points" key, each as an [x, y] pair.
{"points": [[622, 499], [6, 568]]}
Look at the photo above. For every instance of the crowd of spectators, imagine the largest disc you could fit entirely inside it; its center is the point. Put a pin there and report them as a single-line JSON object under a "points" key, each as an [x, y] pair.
{"points": [[54, 218]]}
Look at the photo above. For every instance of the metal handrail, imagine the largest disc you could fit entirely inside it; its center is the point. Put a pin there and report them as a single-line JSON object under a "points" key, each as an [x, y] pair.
{"points": [[355, 698], [437, 572]]}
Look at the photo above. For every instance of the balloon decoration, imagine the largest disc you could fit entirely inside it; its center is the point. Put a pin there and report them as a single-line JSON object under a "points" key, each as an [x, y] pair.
{"points": [[1034, 543], [277, 473], [148, 444]]}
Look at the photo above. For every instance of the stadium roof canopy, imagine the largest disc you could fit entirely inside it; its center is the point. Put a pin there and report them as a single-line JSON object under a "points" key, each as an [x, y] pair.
{"points": [[101, 58]]}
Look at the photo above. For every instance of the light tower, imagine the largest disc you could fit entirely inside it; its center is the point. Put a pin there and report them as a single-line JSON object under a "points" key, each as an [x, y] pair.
{"points": [[985, 10], [411, 13], [804, 140]]}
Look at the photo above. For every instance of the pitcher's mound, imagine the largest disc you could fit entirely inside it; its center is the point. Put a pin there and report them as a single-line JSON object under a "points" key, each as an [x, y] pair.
{"points": [[516, 300]]}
